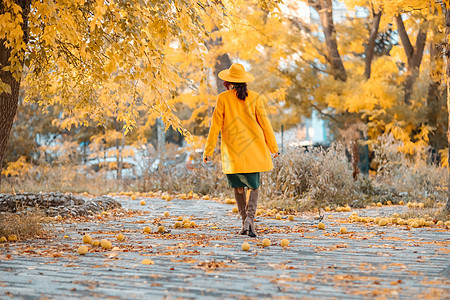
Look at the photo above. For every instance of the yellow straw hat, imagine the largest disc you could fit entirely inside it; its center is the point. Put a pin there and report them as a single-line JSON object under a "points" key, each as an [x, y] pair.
{"points": [[236, 73]]}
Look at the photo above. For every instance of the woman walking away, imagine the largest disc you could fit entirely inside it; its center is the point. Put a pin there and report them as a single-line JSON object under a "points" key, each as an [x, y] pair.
{"points": [[247, 141]]}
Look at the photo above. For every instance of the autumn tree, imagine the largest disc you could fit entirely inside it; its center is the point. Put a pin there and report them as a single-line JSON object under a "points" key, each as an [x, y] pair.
{"points": [[351, 67], [438, 11], [354, 69], [14, 36], [69, 51], [447, 72]]}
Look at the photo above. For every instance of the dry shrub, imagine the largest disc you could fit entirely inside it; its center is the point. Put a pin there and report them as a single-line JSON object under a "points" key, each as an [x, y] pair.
{"points": [[307, 178], [64, 178], [411, 176], [432, 213], [441, 214], [202, 179], [301, 178], [26, 225], [207, 179], [58, 168]]}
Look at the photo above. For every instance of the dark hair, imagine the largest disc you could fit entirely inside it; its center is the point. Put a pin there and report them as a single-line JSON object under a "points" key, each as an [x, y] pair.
{"points": [[239, 87]]}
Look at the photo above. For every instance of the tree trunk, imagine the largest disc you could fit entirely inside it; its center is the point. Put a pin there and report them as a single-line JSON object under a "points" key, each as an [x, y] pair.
{"points": [[222, 62], [371, 44], [413, 54], [118, 175], [9, 102], [325, 10], [409, 83], [414, 65], [120, 166], [447, 71], [355, 158], [436, 103], [160, 136]]}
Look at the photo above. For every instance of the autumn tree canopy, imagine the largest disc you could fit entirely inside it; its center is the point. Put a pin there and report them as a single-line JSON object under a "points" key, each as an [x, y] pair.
{"points": [[84, 55], [368, 67]]}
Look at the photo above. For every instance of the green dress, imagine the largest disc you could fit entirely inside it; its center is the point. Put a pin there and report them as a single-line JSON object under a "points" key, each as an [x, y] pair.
{"points": [[249, 180]]}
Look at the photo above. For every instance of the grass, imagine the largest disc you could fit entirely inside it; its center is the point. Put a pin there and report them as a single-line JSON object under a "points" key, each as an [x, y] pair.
{"points": [[26, 225]]}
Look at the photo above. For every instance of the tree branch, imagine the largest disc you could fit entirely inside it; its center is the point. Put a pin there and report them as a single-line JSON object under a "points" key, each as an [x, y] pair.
{"points": [[310, 103], [371, 44], [326, 18], [302, 26], [315, 4], [420, 45], [414, 62], [409, 50]]}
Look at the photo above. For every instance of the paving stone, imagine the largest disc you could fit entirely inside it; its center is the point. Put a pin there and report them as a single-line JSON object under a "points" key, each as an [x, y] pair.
{"points": [[370, 261]]}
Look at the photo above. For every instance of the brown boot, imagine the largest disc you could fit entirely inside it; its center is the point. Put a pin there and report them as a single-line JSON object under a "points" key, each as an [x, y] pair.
{"points": [[241, 201], [249, 224]]}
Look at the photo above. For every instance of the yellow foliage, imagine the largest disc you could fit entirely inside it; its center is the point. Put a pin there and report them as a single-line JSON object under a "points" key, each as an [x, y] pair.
{"points": [[12, 34], [18, 168], [444, 157], [125, 62], [127, 65]]}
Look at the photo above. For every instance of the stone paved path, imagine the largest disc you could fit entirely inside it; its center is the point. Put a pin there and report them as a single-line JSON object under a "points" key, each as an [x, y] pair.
{"points": [[207, 262]]}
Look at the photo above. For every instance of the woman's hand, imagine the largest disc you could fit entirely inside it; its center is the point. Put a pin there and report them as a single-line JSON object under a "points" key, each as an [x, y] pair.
{"points": [[206, 159], [276, 154]]}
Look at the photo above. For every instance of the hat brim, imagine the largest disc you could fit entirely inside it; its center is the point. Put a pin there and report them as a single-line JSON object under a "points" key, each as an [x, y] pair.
{"points": [[225, 75]]}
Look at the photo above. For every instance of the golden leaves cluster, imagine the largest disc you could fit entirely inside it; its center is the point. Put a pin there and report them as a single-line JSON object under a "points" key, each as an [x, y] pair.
{"points": [[99, 59], [11, 32]]}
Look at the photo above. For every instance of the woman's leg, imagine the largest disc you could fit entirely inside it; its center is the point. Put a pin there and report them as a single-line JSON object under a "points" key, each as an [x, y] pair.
{"points": [[249, 224], [241, 201]]}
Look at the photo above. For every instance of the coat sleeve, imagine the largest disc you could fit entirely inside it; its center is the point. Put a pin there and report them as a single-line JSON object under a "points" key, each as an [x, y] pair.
{"points": [[264, 122], [216, 127]]}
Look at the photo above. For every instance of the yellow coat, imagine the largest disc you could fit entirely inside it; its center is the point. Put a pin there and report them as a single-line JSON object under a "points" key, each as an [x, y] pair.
{"points": [[247, 135]]}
